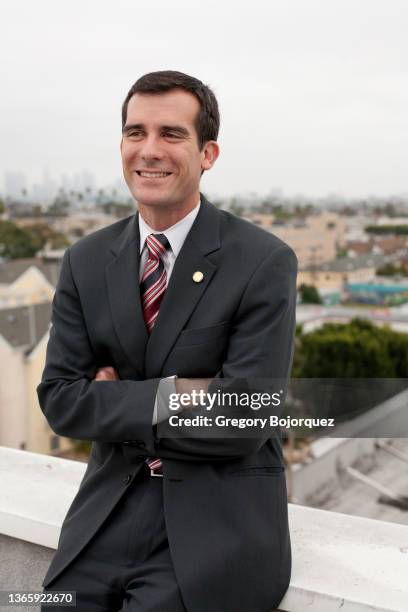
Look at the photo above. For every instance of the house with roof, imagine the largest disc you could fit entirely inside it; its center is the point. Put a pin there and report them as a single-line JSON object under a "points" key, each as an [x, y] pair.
{"points": [[23, 341], [27, 281], [333, 277]]}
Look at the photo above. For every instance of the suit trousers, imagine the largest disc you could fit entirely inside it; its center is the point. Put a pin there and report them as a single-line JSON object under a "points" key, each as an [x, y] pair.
{"points": [[126, 566]]}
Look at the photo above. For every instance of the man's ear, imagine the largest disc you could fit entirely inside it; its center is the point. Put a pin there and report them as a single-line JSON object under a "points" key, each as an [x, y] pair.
{"points": [[211, 151]]}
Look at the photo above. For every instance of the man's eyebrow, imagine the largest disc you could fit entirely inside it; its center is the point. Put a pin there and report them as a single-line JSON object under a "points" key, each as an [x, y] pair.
{"points": [[176, 128], [132, 126], [167, 128]]}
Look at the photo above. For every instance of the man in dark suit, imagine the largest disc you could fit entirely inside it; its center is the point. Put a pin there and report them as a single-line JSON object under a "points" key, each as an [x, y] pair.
{"points": [[170, 524]]}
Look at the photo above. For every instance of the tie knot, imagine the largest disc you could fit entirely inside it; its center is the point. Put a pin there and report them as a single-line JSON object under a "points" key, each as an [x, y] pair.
{"points": [[157, 245]]}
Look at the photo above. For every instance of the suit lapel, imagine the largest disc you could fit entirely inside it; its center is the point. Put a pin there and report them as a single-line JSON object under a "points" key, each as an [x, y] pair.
{"points": [[183, 294], [122, 278]]}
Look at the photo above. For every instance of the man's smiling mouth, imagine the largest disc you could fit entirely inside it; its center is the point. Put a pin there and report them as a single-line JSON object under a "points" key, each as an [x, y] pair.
{"points": [[147, 174]]}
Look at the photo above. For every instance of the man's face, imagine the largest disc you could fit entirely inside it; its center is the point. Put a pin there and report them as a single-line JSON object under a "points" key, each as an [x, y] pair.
{"points": [[161, 159]]}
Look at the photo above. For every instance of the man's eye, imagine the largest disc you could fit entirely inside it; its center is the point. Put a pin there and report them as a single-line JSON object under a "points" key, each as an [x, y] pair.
{"points": [[134, 134], [171, 135]]}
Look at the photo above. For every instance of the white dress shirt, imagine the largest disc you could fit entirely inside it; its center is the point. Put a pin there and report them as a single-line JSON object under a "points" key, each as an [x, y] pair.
{"points": [[176, 235]]}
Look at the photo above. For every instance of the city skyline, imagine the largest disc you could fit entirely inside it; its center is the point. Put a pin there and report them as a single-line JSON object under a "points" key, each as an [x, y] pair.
{"points": [[16, 187], [312, 95]]}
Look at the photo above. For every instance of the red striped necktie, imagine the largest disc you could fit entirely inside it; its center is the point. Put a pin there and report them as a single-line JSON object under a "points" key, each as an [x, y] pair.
{"points": [[154, 279], [152, 288]]}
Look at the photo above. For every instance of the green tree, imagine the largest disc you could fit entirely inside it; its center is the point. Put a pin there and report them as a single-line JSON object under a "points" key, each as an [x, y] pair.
{"points": [[42, 234], [59, 241], [16, 242], [309, 294], [399, 230], [358, 349], [349, 353], [390, 269], [341, 253], [60, 206], [281, 214], [118, 209]]}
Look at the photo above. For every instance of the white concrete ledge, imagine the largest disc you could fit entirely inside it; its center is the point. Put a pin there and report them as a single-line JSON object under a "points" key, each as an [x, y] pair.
{"points": [[36, 492], [339, 561], [346, 562]]}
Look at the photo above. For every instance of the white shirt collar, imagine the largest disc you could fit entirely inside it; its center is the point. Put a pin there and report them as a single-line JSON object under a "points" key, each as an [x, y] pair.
{"points": [[176, 234]]}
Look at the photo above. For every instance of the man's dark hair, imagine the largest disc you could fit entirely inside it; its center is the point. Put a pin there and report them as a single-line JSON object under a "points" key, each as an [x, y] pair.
{"points": [[208, 119]]}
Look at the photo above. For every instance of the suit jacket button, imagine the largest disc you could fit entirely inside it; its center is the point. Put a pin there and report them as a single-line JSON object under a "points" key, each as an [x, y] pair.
{"points": [[127, 479]]}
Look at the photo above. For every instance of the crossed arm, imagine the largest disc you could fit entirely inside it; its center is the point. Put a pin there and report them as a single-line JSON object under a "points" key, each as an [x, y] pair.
{"points": [[83, 402]]}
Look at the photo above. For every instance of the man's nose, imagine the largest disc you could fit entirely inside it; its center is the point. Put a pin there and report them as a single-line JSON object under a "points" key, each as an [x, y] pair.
{"points": [[151, 148]]}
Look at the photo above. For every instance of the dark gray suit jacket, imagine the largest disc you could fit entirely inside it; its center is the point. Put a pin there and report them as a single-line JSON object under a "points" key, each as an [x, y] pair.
{"points": [[224, 499]]}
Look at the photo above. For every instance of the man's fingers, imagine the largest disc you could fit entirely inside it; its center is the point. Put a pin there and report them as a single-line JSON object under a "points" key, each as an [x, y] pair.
{"points": [[106, 373]]}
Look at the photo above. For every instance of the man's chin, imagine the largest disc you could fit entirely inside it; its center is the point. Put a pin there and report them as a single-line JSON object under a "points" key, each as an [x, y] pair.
{"points": [[149, 197], [152, 200]]}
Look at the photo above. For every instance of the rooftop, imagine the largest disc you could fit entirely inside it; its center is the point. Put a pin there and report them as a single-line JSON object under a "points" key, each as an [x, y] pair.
{"points": [[24, 326], [348, 264], [390, 471], [12, 269]]}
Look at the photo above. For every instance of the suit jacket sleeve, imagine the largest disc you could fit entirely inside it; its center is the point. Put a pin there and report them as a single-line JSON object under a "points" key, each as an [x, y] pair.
{"points": [[260, 346], [73, 403]]}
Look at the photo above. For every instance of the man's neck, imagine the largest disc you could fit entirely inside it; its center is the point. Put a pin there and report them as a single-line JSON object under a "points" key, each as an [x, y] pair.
{"points": [[161, 218]]}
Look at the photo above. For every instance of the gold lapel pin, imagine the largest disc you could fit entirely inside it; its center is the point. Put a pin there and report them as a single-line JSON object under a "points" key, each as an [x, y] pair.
{"points": [[198, 276]]}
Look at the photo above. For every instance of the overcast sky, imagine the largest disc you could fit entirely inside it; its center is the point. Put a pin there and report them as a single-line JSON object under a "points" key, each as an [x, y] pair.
{"points": [[313, 93]]}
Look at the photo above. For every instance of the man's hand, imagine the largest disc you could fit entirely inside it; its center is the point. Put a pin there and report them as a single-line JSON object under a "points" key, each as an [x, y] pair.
{"points": [[187, 385], [106, 373]]}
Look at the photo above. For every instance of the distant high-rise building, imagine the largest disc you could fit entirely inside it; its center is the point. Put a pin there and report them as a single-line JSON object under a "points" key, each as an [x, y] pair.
{"points": [[15, 184], [87, 180], [82, 182]]}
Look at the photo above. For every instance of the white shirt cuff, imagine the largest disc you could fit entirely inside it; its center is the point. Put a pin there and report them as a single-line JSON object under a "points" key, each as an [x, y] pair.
{"points": [[161, 410]]}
